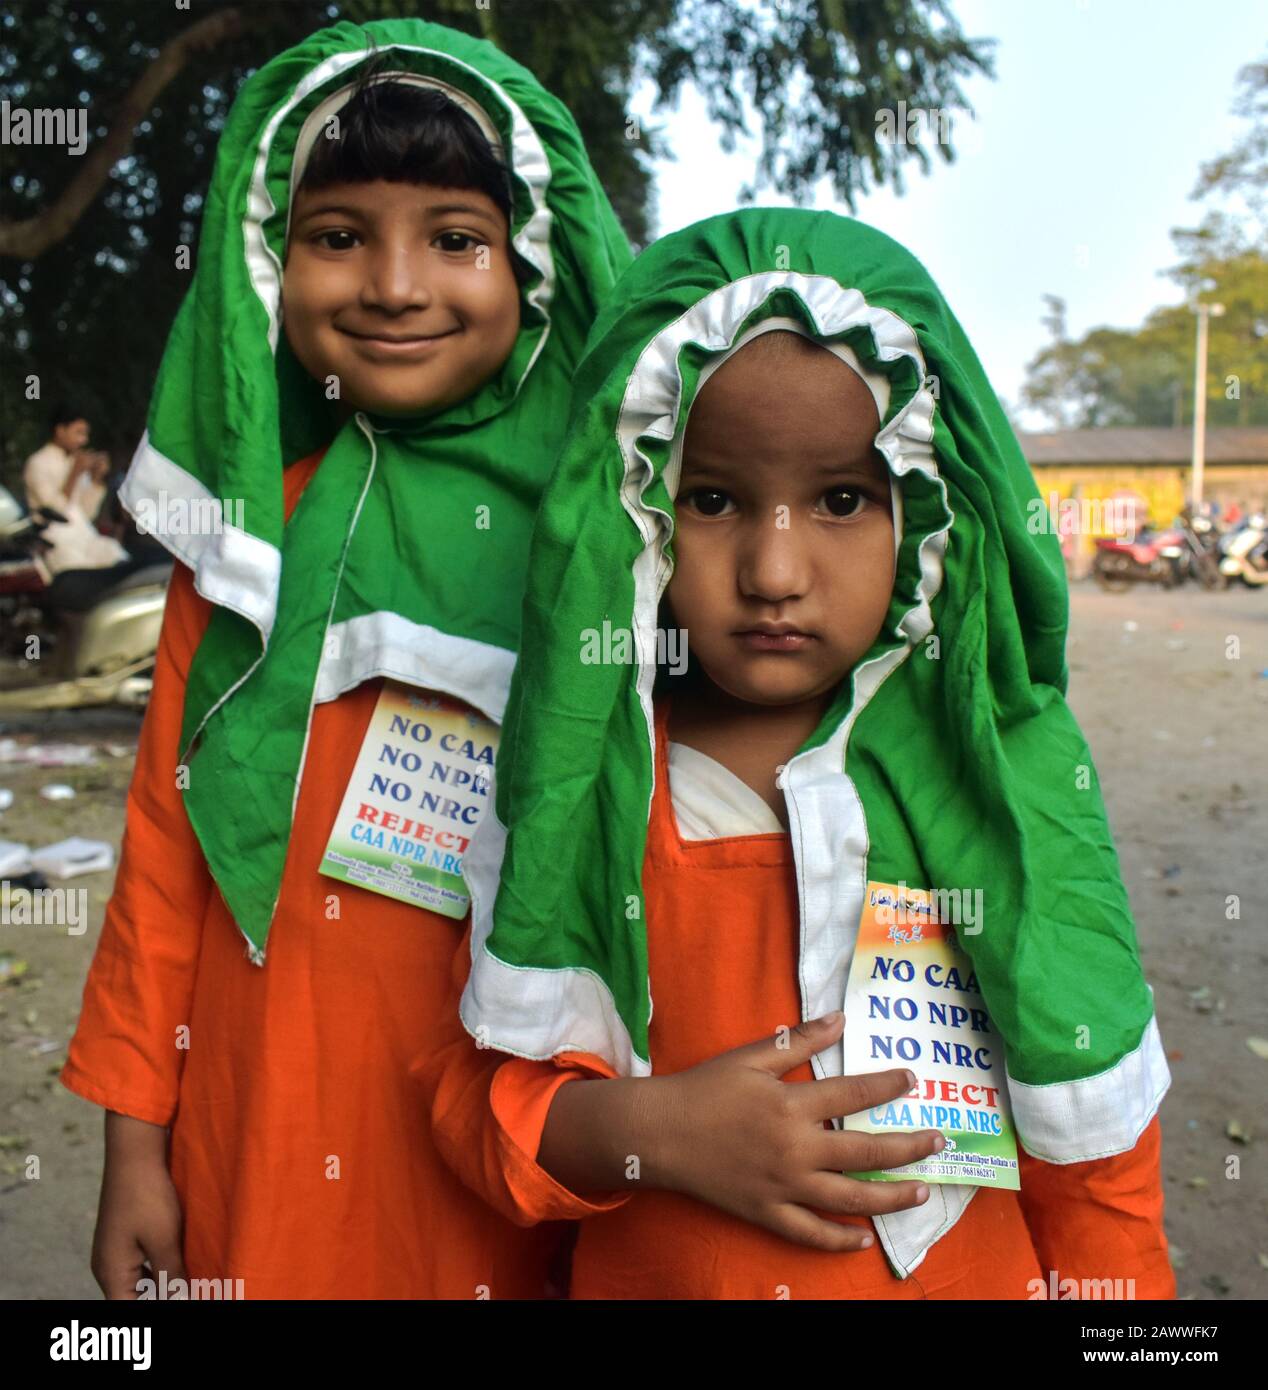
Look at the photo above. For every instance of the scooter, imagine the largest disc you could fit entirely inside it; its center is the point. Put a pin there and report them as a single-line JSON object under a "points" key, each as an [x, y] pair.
{"points": [[102, 656], [1245, 553]]}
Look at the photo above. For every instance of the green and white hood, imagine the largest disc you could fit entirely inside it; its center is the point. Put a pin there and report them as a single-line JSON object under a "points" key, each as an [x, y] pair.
{"points": [[405, 555], [949, 759]]}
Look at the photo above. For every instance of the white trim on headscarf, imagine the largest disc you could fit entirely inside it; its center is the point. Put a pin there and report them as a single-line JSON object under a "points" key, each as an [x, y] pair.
{"points": [[231, 567]]}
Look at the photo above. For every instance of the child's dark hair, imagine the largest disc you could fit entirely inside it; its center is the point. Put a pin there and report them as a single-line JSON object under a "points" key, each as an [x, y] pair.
{"points": [[402, 133]]}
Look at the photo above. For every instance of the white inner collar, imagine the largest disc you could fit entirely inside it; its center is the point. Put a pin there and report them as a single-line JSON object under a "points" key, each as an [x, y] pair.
{"points": [[710, 802]]}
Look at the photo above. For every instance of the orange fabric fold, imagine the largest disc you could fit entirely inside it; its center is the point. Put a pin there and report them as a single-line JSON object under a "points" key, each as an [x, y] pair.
{"points": [[488, 1112], [1101, 1221]]}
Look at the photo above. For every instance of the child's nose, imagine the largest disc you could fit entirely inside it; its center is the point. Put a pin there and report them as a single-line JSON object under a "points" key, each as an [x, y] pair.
{"points": [[772, 563], [396, 280]]}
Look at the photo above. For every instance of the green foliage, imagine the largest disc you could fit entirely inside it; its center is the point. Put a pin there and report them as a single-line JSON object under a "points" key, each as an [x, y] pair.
{"points": [[819, 73], [90, 316]]}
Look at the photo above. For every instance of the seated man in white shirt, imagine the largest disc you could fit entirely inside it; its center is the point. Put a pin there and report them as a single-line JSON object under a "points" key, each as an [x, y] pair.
{"points": [[52, 473], [69, 479]]}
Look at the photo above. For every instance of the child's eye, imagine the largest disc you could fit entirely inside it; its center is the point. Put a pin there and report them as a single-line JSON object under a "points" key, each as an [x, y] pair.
{"points": [[843, 501], [336, 239], [708, 501], [456, 241]]}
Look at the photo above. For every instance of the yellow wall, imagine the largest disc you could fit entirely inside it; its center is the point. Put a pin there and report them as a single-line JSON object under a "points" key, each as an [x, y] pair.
{"points": [[1163, 488]]}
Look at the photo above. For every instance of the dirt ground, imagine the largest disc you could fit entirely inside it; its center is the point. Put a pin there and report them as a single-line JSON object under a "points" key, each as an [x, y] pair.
{"points": [[1179, 731]]}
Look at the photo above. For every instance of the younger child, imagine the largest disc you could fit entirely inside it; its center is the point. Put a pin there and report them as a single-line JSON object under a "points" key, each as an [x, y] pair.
{"points": [[781, 429], [403, 249]]}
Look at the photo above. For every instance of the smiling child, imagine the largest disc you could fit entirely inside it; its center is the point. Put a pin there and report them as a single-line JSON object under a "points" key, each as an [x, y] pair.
{"points": [[403, 248]]}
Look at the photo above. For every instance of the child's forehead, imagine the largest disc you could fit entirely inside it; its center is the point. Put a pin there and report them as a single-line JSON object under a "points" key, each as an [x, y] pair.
{"points": [[777, 355], [788, 399], [786, 367], [824, 457]]}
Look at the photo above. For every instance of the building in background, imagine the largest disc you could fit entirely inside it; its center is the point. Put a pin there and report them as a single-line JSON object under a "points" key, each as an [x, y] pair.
{"points": [[1151, 465]]}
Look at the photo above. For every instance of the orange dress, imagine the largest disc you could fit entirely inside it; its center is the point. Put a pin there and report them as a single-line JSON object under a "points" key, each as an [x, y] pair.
{"points": [[300, 1148], [722, 944]]}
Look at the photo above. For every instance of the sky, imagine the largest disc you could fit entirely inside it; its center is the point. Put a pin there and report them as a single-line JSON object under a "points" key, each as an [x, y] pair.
{"points": [[1086, 148]]}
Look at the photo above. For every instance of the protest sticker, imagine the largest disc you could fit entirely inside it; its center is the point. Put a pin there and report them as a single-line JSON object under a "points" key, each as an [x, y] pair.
{"points": [[912, 1000], [419, 789]]}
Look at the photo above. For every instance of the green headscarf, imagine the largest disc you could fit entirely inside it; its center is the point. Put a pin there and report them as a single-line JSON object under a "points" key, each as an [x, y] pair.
{"points": [[405, 555], [948, 759]]}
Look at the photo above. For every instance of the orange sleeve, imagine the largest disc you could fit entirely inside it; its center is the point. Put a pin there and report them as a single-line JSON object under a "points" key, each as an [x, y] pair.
{"points": [[488, 1111], [1103, 1219], [124, 1054]]}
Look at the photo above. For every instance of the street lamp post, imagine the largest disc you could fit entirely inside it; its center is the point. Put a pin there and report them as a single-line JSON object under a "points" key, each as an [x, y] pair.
{"points": [[1205, 313]]}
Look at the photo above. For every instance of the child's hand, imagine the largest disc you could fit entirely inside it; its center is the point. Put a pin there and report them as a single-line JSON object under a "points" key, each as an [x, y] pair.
{"points": [[738, 1137], [729, 1132], [139, 1217]]}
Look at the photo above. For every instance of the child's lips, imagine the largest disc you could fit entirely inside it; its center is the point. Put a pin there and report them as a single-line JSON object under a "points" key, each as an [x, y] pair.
{"points": [[759, 639], [395, 347]]}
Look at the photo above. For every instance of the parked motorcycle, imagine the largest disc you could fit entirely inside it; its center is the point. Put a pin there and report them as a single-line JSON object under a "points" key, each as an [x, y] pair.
{"points": [[101, 654], [22, 581], [1154, 557], [1245, 553], [1188, 550]]}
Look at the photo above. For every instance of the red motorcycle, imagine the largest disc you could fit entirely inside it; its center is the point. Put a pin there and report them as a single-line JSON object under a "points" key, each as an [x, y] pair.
{"points": [[22, 580], [1189, 549], [1153, 558]]}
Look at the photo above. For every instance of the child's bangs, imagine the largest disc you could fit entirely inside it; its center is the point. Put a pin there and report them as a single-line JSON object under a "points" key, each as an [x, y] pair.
{"points": [[400, 133]]}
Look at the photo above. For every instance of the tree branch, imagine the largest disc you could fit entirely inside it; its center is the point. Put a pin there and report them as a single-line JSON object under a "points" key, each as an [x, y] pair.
{"points": [[31, 237]]}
